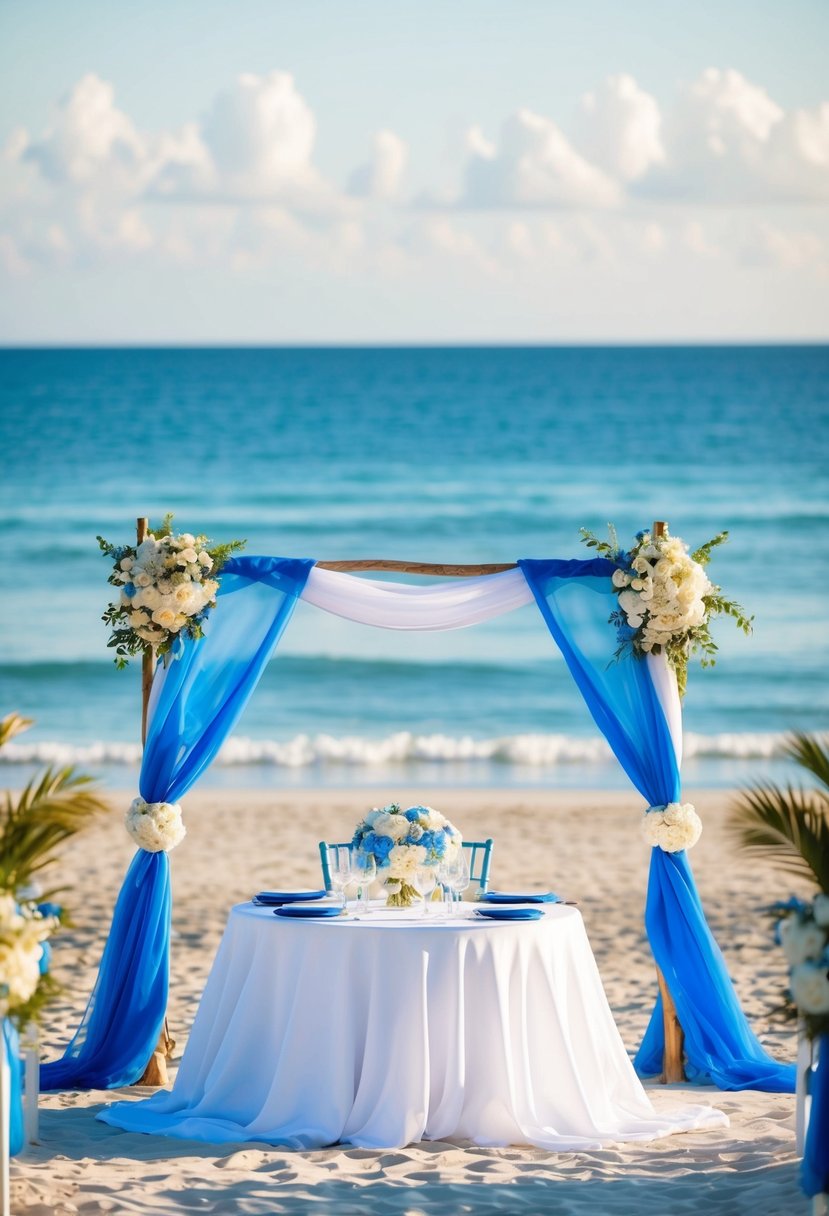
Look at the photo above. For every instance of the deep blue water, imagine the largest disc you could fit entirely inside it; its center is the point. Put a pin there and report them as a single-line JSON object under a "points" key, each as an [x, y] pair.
{"points": [[437, 454]]}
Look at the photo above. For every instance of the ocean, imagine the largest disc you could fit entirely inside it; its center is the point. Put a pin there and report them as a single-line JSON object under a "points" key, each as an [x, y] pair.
{"points": [[435, 454]]}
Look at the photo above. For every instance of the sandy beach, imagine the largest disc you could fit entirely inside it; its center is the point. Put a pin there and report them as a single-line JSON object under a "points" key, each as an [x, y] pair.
{"points": [[585, 846]]}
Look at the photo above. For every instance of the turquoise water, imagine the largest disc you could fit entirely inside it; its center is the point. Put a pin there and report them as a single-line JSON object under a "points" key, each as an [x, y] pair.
{"points": [[435, 454]]}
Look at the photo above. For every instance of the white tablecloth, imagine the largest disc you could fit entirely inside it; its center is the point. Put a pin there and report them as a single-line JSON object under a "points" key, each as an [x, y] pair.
{"points": [[389, 1029]]}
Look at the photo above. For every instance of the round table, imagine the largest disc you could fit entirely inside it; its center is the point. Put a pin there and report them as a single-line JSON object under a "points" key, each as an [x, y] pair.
{"points": [[388, 1027]]}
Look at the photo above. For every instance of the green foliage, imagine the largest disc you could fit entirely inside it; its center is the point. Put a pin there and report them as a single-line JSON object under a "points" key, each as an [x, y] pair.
{"points": [[605, 548], [51, 809], [789, 827]]}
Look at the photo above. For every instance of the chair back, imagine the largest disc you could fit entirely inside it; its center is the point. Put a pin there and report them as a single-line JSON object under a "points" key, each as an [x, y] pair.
{"points": [[480, 855], [324, 851]]}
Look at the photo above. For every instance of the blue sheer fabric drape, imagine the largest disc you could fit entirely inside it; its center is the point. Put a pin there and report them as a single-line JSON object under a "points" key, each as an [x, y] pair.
{"points": [[11, 1048], [576, 599], [814, 1169], [195, 704]]}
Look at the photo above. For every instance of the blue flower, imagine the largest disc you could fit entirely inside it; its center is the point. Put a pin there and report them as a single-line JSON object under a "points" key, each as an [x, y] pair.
{"points": [[49, 909], [129, 589], [379, 846], [414, 813], [45, 957]]}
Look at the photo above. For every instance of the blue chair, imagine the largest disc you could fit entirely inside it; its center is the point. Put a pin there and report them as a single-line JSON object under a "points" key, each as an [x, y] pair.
{"points": [[480, 856], [326, 871], [479, 859]]}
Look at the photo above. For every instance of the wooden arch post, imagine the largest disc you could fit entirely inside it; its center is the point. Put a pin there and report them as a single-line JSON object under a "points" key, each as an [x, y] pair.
{"points": [[673, 1051], [156, 1071]]}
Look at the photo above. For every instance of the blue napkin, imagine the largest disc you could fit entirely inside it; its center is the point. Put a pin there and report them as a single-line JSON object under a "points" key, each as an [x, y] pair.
{"points": [[308, 910], [504, 897], [277, 898], [510, 913]]}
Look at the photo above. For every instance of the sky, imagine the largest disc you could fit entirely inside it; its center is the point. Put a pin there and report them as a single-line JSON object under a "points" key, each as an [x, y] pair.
{"points": [[366, 171]]}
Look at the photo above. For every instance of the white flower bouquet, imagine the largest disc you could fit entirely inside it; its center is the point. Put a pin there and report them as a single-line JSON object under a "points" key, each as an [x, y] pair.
{"points": [[673, 827], [155, 826], [666, 600], [804, 935], [167, 586], [23, 932], [401, 842]]}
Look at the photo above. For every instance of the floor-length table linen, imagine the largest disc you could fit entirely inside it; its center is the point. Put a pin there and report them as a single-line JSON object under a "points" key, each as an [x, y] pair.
{"points": [[392, 1028]]}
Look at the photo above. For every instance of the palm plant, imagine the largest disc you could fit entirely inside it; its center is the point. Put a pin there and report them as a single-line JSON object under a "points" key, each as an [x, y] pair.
{"points": [[54, 806], [790, 827]]}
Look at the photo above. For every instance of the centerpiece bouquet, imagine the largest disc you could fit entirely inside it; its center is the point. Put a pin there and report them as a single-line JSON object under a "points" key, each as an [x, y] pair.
{"points": [[401, 842], [167, 585]]}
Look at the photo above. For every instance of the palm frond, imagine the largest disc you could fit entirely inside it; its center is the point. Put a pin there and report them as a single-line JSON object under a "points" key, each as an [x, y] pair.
{"points": [[13, 724], [51, 809], [787, 827], [811, 753]]}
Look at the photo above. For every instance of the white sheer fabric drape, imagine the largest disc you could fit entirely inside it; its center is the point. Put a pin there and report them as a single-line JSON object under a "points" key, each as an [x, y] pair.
{"points": [[452, 604]]}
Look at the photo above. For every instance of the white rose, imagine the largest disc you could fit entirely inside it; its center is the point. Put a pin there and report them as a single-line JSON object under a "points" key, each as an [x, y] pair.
{"points": [[820, 911], [800, 942], [629, 602], [810, 987], [127, 563], [138, 619], [142, 580], [164, 617], [186, 540], [620, 578], [205, 560], [147, 597], [186, 557]]}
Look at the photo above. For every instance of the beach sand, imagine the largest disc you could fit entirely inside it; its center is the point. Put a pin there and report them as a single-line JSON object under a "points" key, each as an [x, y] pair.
{"points": [[585, 846]]}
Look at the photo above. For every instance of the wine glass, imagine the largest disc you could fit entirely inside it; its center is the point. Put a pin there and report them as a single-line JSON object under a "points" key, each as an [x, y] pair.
{"points": [[364, 872], [458, 874], [339, 869], [425, 882]]}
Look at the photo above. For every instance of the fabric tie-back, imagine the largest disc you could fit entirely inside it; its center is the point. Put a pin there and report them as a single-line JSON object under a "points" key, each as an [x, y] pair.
{"points": [[198, 698], [195, 703], [576, 598]]}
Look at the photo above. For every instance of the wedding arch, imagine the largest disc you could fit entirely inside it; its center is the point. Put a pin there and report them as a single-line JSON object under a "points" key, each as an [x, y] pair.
{"points": [[193, 703]]}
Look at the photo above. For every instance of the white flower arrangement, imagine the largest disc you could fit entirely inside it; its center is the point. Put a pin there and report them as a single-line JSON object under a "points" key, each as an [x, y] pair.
{"points": [[167, 588], [23, 930], [402, 841], [804, 935], [673, 827], [155, 826], [666, 600]]}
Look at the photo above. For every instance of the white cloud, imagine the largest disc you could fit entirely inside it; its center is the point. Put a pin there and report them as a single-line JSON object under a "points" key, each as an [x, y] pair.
{"points": [[533, 165], [90, 138], [766, 245], [381, 176], [620, 127], [260, 134], [728, 142]]}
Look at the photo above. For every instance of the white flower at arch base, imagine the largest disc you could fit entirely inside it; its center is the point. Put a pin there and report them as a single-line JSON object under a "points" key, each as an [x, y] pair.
{"points": [[155, 826], [672, 827]]}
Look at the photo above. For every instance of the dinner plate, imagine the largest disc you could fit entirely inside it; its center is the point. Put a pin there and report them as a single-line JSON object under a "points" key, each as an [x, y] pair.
{"points": [[308, 910], [277, 898], [508, 897], [510, 913]]}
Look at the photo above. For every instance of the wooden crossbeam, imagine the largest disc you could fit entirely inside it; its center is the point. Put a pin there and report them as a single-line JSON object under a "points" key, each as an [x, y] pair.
{"points": [[438, 569]]}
